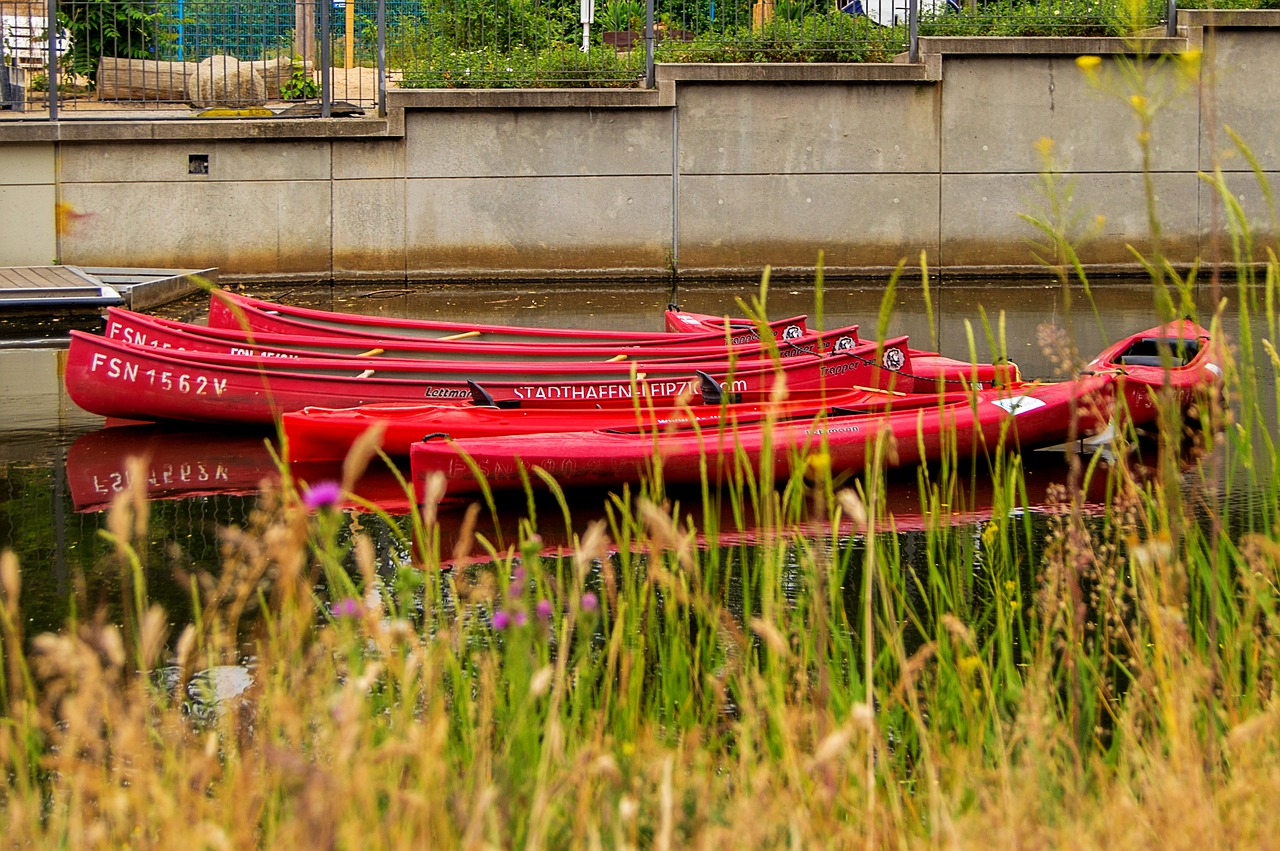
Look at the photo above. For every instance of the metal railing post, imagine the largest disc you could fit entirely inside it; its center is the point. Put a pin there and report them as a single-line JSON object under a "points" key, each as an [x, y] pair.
{"points": [[648, 44], [1171, 9], [326, 61], [913, 28], [382, 58], [51, 61]]}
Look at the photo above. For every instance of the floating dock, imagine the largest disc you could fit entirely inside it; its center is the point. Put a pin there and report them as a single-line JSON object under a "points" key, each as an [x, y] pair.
{"points": [[25, 290]]}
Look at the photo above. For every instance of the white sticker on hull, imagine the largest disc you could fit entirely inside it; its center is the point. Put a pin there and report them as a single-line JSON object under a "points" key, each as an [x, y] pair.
{"points": [[1019, 404]]}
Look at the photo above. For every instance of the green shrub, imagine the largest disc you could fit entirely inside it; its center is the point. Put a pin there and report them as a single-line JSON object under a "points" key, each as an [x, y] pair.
{"points": [[621, 15], [1044, 18], [108, 28], [831, 37], [523, 68]]}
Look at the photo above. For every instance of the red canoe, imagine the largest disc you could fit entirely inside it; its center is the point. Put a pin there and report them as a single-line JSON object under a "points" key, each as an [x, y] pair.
{"points": [[140, 329], [324, 434], [228, 310], [1177, 356], [1033, 416], [117, 380]]}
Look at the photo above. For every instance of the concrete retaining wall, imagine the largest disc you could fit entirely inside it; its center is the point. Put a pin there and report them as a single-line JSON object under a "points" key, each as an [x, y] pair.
{"points": [[721, 170]]}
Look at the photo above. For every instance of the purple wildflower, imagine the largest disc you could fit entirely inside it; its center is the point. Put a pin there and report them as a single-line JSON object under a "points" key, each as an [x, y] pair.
{"points": [[349, 607], [516, 588], [543, 610], [501, 620], [323, 494], [520, 619], [590, 602]]}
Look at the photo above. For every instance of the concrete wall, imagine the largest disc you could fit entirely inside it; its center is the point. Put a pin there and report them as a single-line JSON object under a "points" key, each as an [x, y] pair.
{"points": [[721, 170], [28, 200]]}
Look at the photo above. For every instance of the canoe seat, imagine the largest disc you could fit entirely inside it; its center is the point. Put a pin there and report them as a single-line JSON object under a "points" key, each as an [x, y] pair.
{"points": [[1150, 360]]}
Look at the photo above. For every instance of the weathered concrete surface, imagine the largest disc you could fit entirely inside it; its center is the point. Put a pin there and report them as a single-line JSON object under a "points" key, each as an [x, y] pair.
{"points": [[547, 143], [1247, 191], [1104, 213], [747, 221], [229, 161], [277, 227], [27, 205], [722, 169], [369, 228], [809, 129], [537, 223], [1245, 96], [996, 109]]}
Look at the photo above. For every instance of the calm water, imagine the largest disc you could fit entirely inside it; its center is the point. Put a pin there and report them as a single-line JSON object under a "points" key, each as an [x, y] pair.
{"points": [[59, 466]]}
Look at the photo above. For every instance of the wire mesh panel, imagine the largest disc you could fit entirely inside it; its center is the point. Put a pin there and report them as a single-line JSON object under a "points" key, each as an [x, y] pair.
{"points": [[353, 46]]}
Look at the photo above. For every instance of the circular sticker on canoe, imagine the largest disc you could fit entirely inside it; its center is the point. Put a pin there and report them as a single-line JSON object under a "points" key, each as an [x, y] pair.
{"points": [[893, 359], [843, 343], [791, 332]]}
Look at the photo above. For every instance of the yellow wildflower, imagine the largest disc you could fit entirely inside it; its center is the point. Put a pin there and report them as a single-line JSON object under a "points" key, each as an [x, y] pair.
{"points": [[819, 462], [969, 666]]}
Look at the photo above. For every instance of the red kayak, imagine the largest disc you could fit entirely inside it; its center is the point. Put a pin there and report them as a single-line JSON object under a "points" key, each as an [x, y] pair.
{"points": [[140, 329], [118, 380], [228, 310], [1177, 356], [324, 434]]}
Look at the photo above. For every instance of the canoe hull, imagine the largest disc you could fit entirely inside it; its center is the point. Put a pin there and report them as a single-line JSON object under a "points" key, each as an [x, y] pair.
{"points": [[1035, 416], [117, 380], [229, 310], [320, 434], [1123, 386], [143, 330]]}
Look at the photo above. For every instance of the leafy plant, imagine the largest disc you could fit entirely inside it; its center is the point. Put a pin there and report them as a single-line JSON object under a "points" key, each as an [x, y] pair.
{"points": [[621, 15], [831, 37], [300, 85], [108, 28], [524, 68], [1044, 18]]}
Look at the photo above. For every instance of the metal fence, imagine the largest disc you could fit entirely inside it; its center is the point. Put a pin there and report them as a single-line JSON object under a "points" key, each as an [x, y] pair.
{"points": [[238, 54], [323, 56]]}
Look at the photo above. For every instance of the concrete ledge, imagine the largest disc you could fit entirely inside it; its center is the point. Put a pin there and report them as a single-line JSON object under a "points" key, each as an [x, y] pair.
{"points": [[792, 72], [1045, 46], [1228, 18], [399, 99], [164, 129]]}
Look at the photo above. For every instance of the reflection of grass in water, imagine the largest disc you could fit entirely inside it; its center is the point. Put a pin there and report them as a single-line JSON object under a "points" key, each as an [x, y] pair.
{"points": [[1115, 689]]}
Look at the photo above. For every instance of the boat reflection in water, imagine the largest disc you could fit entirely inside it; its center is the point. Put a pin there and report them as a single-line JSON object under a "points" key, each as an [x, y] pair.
{"points": [[186, 464], [193, 464]]}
